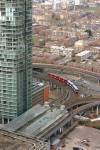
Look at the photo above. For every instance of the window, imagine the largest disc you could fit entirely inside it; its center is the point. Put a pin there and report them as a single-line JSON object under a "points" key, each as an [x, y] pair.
{"points": [[4, 102]]}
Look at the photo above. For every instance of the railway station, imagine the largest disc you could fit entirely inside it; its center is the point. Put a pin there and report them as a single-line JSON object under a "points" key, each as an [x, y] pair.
{"points": [[41, 121], [49, 74]]}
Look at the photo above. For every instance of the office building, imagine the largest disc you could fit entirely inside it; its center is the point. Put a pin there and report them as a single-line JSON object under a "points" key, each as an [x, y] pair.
{"points": [[15, 58], [40, 93]]}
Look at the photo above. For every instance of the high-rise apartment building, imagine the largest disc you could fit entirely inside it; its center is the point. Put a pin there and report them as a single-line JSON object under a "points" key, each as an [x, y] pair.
{"points": [[15, 57]]}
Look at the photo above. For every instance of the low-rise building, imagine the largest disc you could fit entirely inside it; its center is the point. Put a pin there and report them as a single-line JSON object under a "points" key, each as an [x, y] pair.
{"points": [[40, 93], [41, 121], [62, 51], [83, 55], [80, 45]]}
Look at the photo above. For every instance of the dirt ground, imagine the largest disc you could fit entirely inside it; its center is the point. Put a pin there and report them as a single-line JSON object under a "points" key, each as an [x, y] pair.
{"points": [[86, 137]]}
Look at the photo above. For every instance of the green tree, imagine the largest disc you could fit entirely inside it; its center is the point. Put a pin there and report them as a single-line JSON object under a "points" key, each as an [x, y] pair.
{"points": [[89, 32], [42, 43]]}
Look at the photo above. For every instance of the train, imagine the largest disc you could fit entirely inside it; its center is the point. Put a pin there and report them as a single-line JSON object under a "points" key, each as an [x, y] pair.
{"points": [[65, 81]]}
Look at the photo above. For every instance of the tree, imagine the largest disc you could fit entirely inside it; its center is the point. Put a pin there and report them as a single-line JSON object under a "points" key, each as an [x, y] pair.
{"points": [[42, 43], [89, 32]]}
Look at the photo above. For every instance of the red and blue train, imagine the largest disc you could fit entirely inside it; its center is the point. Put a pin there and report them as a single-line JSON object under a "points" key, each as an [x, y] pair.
{"points": [[65, 81]]}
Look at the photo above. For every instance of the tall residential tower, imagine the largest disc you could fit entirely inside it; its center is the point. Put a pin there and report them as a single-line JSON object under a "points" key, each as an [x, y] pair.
{"points": [[15, 58]]}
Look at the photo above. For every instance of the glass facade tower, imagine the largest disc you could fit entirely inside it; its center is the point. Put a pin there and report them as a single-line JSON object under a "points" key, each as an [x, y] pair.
{"points": [[15, 58]]}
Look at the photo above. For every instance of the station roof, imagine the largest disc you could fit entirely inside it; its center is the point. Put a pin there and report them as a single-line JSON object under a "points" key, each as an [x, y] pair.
{"points": [[25, 118], [43, 122], [36, 120]]}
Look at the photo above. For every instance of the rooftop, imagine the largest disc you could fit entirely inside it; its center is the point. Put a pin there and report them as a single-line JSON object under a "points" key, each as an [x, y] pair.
{"points": [[25, 118], [36, 120], [83, 53], [37, 86], [43, 123]]}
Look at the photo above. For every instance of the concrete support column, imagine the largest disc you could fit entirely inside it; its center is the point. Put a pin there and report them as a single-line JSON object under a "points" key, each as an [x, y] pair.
{"points": [[57, 89], [51, 85], [60, 130], [97, 110], [61, 90], [2, 120], [69, 124], [79, 75], [8, 120], [92, 109], [71, 121], [99, 82]]}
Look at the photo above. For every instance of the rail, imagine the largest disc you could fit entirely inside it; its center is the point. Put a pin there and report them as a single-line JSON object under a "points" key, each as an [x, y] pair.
{"points": [[67, 118], [79, 70]]}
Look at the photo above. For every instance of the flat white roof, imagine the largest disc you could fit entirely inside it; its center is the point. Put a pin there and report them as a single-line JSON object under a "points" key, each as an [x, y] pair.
{"points": [[83, 53]]}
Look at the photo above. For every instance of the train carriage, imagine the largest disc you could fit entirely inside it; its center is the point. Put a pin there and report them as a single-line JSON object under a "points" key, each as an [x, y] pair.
{"points": [[63, 80]]}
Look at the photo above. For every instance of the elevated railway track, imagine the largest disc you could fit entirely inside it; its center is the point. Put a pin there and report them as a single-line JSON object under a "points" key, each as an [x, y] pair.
{"points": [[67, 92], [73, 103], [69, 99], [71, 69], [67, 118], [82, 101]]}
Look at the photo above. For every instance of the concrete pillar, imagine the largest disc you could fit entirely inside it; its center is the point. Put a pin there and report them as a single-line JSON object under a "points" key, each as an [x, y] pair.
{"points": [[99, 82], [57, 89], [71, 121], [2, 120], [92, 109], [69, 124], [8, 120], [97, 110], [61, 90], [79, 75], [60, 130], [50, 85]]}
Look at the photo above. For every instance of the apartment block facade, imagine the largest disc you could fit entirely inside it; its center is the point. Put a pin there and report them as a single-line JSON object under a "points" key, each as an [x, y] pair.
{"points": [[15, 58]]}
